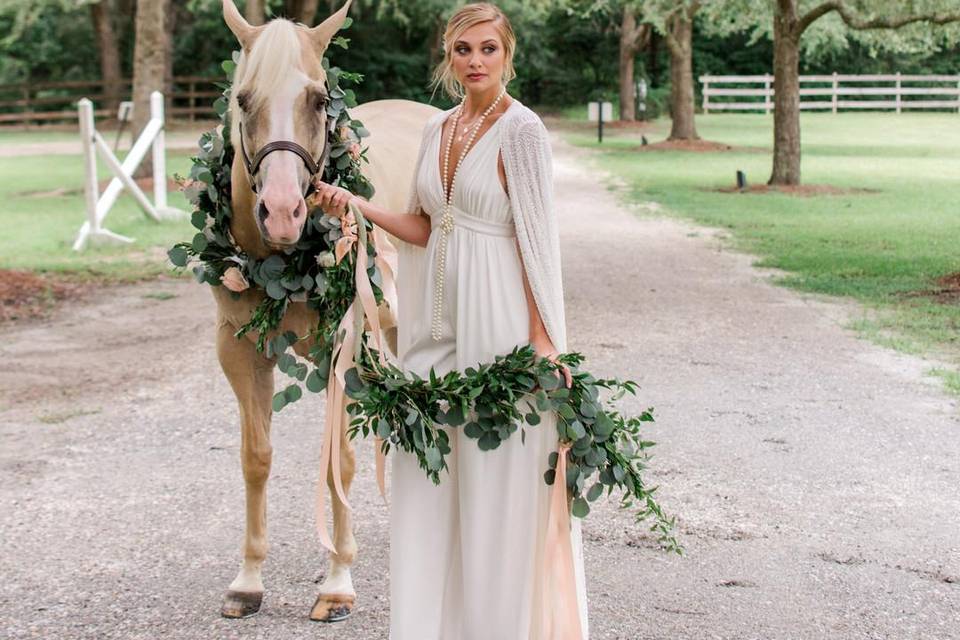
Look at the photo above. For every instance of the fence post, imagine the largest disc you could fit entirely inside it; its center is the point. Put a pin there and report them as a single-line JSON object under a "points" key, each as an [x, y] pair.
{"points": [[92, 191], [91, 229], [836, 85], [193, 100], [159, 154], [26, 102], [766, 93], [899, 85], [706, 98]]}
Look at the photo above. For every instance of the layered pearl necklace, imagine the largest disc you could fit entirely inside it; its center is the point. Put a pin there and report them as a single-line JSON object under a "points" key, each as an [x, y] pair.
{"points": [[446, 220]]}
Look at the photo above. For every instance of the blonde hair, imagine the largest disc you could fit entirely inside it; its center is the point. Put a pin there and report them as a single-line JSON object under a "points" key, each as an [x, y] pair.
{"points": [[464, 18]]}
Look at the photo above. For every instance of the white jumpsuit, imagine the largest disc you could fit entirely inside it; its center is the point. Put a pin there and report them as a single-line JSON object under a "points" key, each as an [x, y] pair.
{"points": [[465, 554]]}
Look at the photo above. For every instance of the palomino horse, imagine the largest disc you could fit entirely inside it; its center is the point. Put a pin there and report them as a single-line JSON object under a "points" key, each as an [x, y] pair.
{"points": [[279, 95]]}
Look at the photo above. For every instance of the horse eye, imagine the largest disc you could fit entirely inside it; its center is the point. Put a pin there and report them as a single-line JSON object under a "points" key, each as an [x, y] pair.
{"points": [[321, 101]]}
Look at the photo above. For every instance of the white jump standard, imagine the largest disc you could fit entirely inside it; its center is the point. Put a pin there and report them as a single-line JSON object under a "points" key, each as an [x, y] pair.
{"points": [[98, 205]]}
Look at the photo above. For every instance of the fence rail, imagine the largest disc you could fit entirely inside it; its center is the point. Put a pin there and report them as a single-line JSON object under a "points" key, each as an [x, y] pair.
{"points": [[26, 104], [836, 92]]}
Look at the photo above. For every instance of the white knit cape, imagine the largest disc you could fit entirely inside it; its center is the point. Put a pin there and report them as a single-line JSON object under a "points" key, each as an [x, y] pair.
{"points": [[528, 164]]}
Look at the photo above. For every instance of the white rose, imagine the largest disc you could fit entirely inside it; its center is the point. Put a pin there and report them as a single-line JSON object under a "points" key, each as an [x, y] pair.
{"points": [[326, 259]]}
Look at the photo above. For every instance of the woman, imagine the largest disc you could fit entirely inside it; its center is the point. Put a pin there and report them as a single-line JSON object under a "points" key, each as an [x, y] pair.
{"points": [[470, 559]]}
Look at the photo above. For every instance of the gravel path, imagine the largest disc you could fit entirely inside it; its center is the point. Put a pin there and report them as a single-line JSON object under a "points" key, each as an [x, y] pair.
{"points": [[815, 475]]}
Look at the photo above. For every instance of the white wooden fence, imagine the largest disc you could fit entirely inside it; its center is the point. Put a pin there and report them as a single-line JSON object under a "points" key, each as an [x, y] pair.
{"points": [[835, 92]]}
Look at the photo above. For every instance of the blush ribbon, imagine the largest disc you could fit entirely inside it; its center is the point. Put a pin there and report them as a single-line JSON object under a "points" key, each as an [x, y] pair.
{"points": [[344, 357], [559, 609]]}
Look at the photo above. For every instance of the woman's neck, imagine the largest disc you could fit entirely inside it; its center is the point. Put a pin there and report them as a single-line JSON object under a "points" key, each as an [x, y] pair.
{"points": [[477, 102]]}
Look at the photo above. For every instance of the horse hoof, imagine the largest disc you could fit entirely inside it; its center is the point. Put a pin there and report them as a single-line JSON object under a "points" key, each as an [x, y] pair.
{"points": [[332, 607], [241, 604]]}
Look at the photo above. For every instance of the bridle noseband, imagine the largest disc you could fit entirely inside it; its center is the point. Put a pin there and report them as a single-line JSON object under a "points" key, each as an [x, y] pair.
{"points": [[313, 167]]}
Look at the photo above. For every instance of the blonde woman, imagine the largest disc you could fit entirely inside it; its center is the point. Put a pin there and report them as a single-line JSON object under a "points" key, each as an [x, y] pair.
{"points": [[479, 274]]}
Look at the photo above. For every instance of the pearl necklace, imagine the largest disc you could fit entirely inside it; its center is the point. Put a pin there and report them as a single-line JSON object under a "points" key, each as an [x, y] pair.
{"points": [[446, 220]]}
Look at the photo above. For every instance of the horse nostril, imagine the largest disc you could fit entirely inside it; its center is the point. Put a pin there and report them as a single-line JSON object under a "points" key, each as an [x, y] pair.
{"points": [[263, 212]]}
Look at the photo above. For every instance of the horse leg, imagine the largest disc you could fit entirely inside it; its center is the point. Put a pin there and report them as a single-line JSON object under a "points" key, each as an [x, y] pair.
{"points": [[336, 599], [251, 376]]}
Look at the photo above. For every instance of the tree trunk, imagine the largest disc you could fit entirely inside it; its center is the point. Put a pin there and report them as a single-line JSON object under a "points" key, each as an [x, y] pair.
{"points": [[254, 12], [292, 9], [682, 109], [109, 54], [149, 65], [653, 57], [628, 89], [308, 12], [170, 23], [786, 96]]}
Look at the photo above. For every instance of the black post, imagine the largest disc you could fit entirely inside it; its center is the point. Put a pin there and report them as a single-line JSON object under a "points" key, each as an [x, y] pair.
{"points": [[600, 121]]}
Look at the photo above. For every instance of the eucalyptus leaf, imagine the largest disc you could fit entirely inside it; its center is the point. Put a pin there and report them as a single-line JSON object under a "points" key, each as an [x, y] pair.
{"points": [[581, 508]]}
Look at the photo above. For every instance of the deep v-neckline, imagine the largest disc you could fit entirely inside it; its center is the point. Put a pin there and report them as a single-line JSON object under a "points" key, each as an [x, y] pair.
{"points": [[438, 162]]}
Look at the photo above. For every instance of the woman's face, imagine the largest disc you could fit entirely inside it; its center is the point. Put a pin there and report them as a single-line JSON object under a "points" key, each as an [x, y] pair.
{"points": [[478, 57]]}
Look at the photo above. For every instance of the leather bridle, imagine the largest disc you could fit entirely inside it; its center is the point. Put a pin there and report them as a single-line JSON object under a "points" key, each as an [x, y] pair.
{"points": [[313, 167]]}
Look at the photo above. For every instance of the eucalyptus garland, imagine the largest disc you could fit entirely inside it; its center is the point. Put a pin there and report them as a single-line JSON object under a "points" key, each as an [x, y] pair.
{"points": [[307, 272], [607, 450]]}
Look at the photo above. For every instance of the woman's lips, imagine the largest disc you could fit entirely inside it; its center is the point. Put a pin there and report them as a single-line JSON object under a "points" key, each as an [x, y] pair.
{"points": [[476, 76]]}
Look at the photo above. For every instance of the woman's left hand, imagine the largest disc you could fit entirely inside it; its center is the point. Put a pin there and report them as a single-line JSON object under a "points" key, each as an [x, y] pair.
{"points": [[548, 351]]}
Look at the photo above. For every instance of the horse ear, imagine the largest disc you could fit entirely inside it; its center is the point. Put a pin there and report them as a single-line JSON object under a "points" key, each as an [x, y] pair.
{"points": [[245, 32], [323, 33]]}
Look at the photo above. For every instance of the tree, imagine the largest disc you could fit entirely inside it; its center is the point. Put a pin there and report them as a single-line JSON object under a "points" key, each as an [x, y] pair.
{"points": [[673, 20], [149, 65], [255, 12], [790, 20], [633, 38], [100, 15], [308, 12], [678, 34]]}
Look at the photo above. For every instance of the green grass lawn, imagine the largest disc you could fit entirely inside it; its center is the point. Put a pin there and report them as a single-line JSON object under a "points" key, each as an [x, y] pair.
{"points": [[874, 246], [40, 223]]}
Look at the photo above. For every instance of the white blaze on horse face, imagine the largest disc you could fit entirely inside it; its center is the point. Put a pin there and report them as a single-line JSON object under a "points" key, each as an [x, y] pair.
{"points": [[284, 175]]}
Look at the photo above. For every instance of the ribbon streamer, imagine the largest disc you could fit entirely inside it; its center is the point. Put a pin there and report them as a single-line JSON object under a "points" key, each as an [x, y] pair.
{"points": [[559, 608], [346, 353]]}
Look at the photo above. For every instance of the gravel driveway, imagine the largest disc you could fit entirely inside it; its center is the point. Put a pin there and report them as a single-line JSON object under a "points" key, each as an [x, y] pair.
{"points": [[814, 474]]}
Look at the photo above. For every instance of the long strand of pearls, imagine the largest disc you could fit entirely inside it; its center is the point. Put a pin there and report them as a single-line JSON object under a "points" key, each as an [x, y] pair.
{"points": [[446, 220]]}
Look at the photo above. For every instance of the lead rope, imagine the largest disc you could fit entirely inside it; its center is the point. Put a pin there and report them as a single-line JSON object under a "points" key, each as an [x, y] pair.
{"points": [[446, 220]]}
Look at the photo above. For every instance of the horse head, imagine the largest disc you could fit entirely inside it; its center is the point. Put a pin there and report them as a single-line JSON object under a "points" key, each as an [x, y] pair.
{"points": [[278, 109]]}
